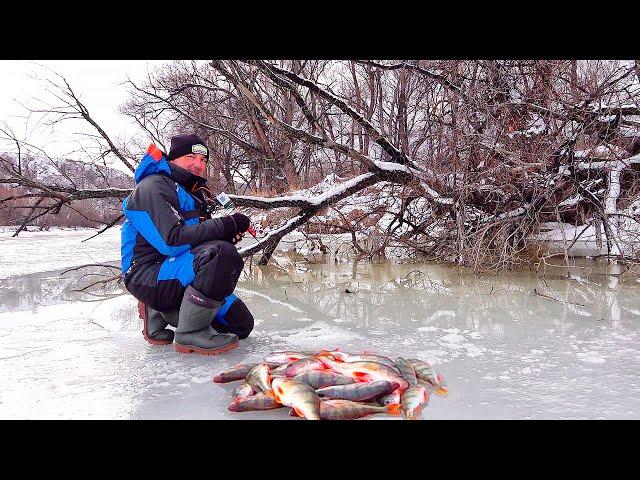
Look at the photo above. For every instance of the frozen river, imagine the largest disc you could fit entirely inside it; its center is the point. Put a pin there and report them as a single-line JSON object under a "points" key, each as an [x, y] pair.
{"points": [[505, 351]]}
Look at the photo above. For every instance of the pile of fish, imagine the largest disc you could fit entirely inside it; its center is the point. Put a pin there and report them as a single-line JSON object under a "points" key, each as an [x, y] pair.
{"points": [[334, 385]]}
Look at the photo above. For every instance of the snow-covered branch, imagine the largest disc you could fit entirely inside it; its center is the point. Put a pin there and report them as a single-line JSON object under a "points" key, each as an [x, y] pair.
{"points": [[71, 193], [612, 165], [316, 202]]}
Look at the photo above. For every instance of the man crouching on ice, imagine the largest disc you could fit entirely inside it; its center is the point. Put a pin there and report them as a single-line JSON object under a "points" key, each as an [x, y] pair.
{"points": [[177, 260]]}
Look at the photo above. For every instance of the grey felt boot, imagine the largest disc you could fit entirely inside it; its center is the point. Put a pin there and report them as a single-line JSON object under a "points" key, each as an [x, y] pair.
{"points": [[171, 317], [194, 333], [154, 327]]}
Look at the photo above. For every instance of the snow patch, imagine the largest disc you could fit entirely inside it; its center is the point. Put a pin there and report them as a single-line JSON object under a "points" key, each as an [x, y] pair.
{"points": [[453, 338], [590, 357], [427, 329], [577, 310]]}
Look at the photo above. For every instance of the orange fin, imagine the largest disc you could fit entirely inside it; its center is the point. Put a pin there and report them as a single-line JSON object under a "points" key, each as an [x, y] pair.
{"points": [[394, 408], [441, 391], [324, 360], [325, 353], [361, 376], [277, 394]]}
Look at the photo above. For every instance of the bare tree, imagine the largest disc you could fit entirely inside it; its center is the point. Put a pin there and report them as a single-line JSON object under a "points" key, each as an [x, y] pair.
{"points": [[460, 161]]}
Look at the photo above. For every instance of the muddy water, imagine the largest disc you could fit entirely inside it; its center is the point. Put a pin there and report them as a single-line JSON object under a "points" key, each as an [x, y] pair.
{"points": [[562, 345]]}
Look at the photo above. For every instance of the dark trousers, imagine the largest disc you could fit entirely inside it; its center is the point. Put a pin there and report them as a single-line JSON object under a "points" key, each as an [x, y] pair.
{"points": [[213, 269]]}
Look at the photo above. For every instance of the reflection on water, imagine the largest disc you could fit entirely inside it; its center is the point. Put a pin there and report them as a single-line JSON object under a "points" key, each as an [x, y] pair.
{"points": [[25, 292], [379, 295], [384, 296]]}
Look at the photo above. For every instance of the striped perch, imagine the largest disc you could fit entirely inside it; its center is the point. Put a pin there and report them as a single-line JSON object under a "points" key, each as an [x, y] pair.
{"points": [[358, 392], [407, 370], [259, 401], [237, 372], [348, 410], [320, 379]]}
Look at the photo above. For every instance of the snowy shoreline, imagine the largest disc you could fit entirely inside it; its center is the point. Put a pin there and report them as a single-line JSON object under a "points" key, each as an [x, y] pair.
{"points": [[59, 248]]}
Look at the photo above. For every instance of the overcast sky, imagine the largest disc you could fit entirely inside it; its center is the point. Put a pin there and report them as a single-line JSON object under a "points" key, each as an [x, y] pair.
{"points": [[96, 82]]}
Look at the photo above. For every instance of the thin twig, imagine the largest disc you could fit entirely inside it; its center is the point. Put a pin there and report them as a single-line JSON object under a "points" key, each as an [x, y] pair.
{"points": [[543, 295], [105, 228], [115, 267]]}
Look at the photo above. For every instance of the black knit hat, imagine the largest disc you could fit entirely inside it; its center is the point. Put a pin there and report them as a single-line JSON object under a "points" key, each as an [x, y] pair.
{"points": [[186, 144]]}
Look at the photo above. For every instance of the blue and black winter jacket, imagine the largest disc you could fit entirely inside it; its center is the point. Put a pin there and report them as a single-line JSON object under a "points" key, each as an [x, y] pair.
{"points": [[164, 215]]}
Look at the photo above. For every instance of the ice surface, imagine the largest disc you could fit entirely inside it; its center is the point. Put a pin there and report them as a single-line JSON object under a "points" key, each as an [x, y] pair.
{"points": [[45, 251], [505, 352]]}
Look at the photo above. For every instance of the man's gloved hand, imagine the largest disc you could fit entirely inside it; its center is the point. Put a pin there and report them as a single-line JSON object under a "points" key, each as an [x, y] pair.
{"points": [[235, 225], [242, 222]]}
